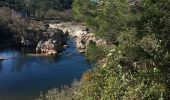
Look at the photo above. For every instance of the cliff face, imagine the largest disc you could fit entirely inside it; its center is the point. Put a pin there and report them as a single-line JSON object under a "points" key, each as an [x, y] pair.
{"points": [[80, 32]]}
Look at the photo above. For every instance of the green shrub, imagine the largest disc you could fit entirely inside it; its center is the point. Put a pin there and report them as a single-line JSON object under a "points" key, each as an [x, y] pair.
{"points": [[138, 68], [94, 52]]}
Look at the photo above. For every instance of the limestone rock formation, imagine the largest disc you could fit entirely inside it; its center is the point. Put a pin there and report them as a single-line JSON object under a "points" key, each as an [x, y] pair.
{"points": [[81, 33], [49, 47], [52, 43]]}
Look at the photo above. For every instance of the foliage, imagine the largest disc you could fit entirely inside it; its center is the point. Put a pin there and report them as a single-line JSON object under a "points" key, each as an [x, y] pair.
{"points": [[65, 15], [95, 53], [38, 8], [105, 18], [13, 28], [139, 67], [11, 25], [66, 93]]}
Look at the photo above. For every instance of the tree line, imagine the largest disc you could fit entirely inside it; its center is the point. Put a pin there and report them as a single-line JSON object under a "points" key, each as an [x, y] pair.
{"points": [[39, 7]]}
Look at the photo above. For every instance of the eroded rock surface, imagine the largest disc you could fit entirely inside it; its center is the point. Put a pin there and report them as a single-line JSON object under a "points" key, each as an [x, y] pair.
{"points": [[52, 42], [81, 33]]}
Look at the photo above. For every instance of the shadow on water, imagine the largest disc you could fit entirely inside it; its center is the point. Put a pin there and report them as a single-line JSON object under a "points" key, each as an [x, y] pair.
{"points": [[22, 77]]}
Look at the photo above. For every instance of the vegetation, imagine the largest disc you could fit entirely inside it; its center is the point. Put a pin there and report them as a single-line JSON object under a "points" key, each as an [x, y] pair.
{"points": [[11, 25], [66, 93], [138, 67], [13, 28], [38, 8], [95, 53]]}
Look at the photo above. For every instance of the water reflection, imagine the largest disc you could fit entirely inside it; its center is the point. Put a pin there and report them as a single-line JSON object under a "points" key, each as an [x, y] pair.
{"points": [[1, 66], [18, 60], [22, 77]]}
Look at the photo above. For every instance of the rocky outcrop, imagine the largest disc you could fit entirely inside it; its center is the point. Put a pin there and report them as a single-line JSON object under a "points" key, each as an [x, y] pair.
{"points": [[52, 42], [81, 33], [50, 47]]}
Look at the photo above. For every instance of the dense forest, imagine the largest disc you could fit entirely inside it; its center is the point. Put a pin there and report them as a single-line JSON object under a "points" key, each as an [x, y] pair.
{"points": [[136, 57]]}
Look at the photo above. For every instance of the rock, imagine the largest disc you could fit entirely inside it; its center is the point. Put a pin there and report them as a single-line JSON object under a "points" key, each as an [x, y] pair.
{"points": [[65, 46], [52, 52], [81, 45], [80, 32], [26, 42], [40, 46], [50, 47], [52, 43]]}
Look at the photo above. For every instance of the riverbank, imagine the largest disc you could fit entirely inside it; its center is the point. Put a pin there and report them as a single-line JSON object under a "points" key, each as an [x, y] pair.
{"points": [[18, 31], [80, 32], [25, 77], [47, 39]]}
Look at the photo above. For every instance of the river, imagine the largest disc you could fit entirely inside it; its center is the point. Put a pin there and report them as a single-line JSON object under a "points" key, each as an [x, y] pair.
{"points": [[23, 77]]}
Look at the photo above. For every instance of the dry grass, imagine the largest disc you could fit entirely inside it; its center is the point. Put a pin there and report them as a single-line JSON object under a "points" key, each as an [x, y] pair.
{"points": [[66, 93]]}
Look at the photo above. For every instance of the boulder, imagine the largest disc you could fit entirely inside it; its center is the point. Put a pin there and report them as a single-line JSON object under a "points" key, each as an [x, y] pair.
{"points": [[50, 47], [81, 45], [52, 43], [59, 36]]}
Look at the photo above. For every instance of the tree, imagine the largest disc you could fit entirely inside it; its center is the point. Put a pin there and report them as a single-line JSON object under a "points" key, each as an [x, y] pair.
{"points": [[40, 7], [139, 66]]}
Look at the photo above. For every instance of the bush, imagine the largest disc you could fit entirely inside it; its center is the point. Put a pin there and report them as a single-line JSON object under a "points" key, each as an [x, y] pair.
{"points": [[95, 53], [13, 28], [66, 93], [12, 25], [138, 68]]}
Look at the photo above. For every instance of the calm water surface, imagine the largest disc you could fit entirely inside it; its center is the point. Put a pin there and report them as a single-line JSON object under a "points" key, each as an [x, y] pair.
{"points": [[23, 77]]}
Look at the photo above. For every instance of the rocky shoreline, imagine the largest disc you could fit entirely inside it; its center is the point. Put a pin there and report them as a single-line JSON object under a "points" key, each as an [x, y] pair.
{"points": [[80, 32], [53, 44], [51, 38], [54, 38]]}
